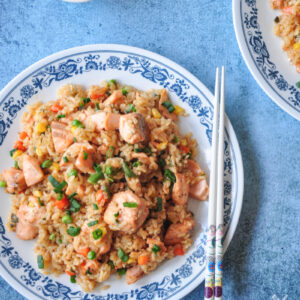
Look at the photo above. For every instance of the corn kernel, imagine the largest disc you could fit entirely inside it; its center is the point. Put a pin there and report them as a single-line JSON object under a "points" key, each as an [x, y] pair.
{"points": [[297, 46], [179, 110], [39, 152], [17, 153], [155, 113], [41, 127], [54, 167], [104, 231], [183, 142], [131, 260], [31, 204], [162, 146], [37, 193], [73, 130]]}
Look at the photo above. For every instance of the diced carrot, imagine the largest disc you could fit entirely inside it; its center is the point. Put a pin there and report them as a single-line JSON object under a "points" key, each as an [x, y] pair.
{"points": [[100, 197], [98, 94], [84, 252], [23, 135], [83, 268], [143, 259], [185, 149], [55, 108], [288, 10], [178, 250], [63, 203], [70, 273], [19, 145]]}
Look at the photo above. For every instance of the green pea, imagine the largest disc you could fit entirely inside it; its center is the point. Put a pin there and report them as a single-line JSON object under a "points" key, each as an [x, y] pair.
{"points": [[66, 219], [91, 255]]}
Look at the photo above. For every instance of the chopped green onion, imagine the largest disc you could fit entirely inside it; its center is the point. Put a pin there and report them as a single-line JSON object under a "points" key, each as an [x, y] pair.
{"points": [[74, 140], [127, 170], [41, 203], [60, 117], [85, 155], [97, 107], [168, 106], [161, 162], [65, 159], [95, 177], [92, 223], [86, 100], [138, 150], [2, 184], [170, 175], [298, 84], [189, 155], [77, 123], [112, 81], [97, 168], [130, 108], [46, 164], [122, 255], [110, 151], [97, 234], [73, 172], [108, 170], [91, 255], [58, 186], [59, 241], [136, 164], [16, 165], [148, 151], [121, 271], [59, 196], [73, 231], [40, 261], [130, 204], [73, 279], [11, 152], [175, 139], [159, 204], [106, 190], [74, 205], [124, 91], [52, 236], [95, 206], [87, 272], [111, 264], [70, 197], [66, 219], [155, 249], [116, 217]]}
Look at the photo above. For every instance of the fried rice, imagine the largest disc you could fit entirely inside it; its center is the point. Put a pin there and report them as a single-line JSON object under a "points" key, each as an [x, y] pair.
{"points": [[101, 180]]}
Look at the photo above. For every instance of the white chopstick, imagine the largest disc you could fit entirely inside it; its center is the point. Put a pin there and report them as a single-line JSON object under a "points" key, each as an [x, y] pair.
{"points": [[214, 242]]}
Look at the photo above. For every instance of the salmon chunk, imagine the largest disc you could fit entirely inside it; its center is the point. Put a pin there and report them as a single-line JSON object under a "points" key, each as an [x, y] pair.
{"points": [[126, 212], [15, 180], [116, 98], [133, 128], [177, 232], [103, 120], [32, 171], [180, 192], [134, 274], [200, 189], [85, 160], [62, 138], [164, 111]]}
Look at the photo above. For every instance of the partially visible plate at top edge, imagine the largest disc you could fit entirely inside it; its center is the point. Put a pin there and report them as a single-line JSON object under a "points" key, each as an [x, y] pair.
{"points": [[144, 70], [263, 54]]}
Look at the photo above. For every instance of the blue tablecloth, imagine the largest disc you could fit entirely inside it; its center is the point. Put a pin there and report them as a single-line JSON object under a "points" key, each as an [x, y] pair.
{"points": [[262, 261]]}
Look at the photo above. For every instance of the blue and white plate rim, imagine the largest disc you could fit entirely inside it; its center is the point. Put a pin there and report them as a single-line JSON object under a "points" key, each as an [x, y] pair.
{"points": [[170, 65]]}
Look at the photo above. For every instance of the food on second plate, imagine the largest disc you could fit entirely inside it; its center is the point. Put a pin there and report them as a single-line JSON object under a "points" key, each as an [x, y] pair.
{"points": [[287, 26], [101, 179]]}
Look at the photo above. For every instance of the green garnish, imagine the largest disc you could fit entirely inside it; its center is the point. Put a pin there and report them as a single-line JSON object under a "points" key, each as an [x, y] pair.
{"points": [[155, 249], [91, 255], [92, 223], [95, 177], [74, 140], [59, 196], [122, 255], [74, 205], [60, 116], [112, 81], [170, 175], [65, 159], [161, 162], [66, 219], [106, 190], [41, 203], [72, 196], [124, 91], [127, 170], [73, 231], [77, 123], [189, 155], [111, 264], [40, 261], [97, 234], [110, 151], [85, 155], [159, 203], [136, 164], [11, 152], [121, 271], [168, 105], [73, 279], [109, 170], [16, 165], [130, 108], [73, 172], [298, 84], [130, 204], [3, 184], [46, 164], [59, 241], [175, 139], [97, 107], [148, 151], [58, 186], [138, 150], [95, 206], [87, 272], [52, 236]]}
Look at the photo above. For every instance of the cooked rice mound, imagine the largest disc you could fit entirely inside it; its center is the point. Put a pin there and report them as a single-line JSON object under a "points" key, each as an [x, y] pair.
{"points": [[287, 26], [101, 180]]}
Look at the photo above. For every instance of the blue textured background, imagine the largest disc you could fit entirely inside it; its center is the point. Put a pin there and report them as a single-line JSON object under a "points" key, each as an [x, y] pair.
{"points": [[263, 258]]}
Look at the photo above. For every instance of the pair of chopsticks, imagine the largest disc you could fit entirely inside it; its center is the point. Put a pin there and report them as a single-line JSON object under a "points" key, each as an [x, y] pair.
{"points": [[214, 241]]}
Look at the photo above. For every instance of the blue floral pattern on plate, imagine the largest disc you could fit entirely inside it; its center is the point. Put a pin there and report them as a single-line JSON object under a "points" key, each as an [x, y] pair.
{"points": [[158, 74]]}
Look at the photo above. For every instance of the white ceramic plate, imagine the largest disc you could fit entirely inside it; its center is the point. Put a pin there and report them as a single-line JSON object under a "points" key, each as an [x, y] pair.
{"points": [[143, 69], [263, 54]]}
